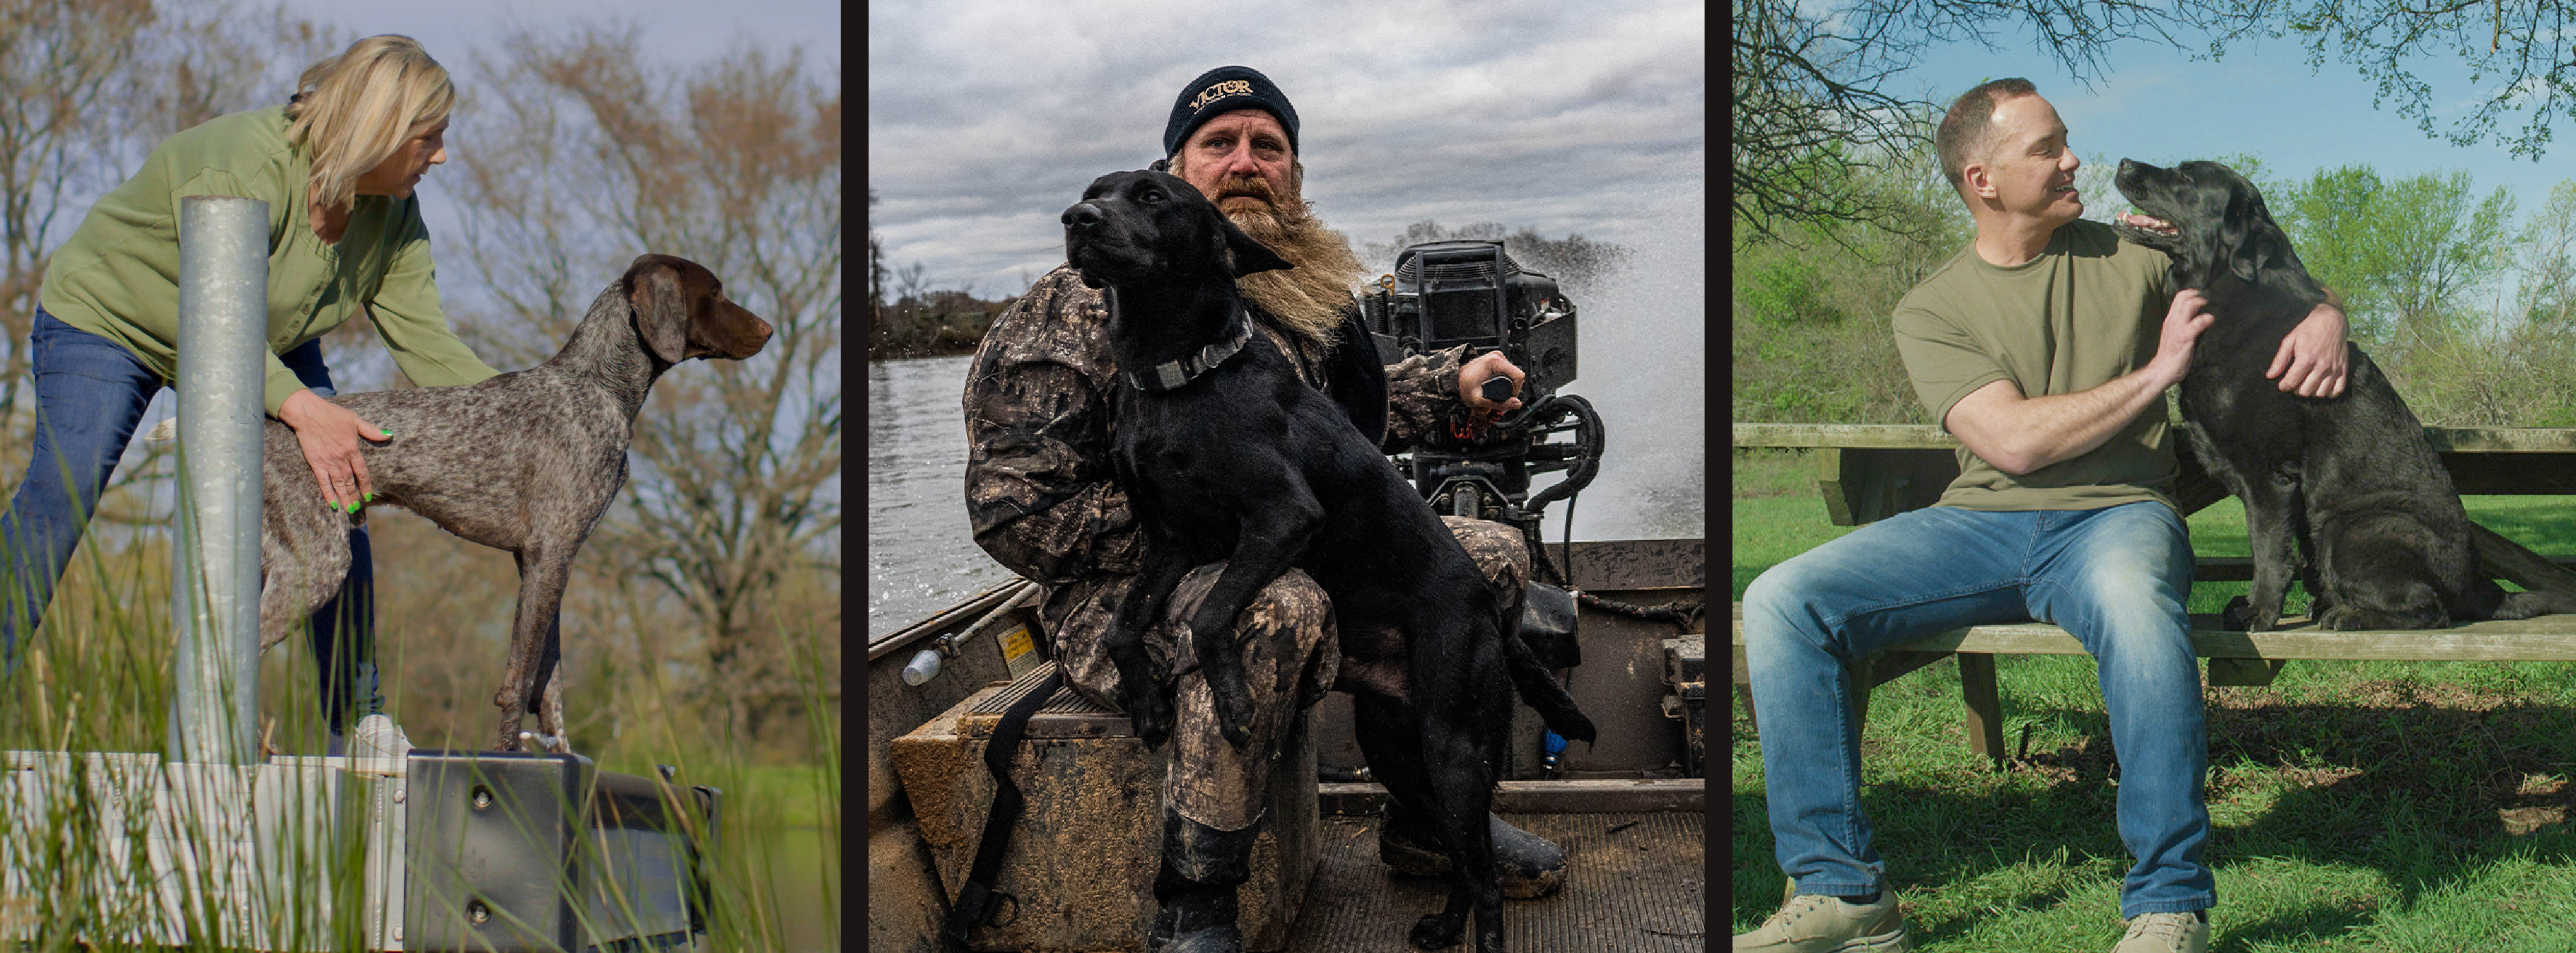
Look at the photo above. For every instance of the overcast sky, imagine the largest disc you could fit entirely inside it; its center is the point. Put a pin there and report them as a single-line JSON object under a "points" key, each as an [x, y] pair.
{"points": [[986, 119], [674, 31], [680, 33]]}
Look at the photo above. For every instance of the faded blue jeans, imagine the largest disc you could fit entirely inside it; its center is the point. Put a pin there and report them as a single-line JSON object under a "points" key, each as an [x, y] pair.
{"points": [[90, 395], [2117, 578]]}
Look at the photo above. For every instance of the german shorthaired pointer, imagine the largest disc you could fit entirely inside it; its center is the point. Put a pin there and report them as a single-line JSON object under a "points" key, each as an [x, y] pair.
{"points": [[525, 461]]}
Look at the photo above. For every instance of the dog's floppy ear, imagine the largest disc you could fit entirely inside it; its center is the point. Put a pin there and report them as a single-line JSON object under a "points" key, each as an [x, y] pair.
{"points": [[2250, 240], [661, 307], [1249, 256]]}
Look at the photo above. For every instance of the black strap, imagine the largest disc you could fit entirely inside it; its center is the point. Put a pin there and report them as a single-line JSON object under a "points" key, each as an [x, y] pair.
{"points": [[975, 901], [1170, 375]]}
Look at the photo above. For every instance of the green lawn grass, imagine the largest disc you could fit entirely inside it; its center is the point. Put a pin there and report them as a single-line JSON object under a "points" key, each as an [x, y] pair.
{"points": [[2358, 806]]}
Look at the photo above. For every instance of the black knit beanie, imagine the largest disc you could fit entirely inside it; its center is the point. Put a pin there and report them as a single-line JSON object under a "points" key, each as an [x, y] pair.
{"points": [[1223, 90]]}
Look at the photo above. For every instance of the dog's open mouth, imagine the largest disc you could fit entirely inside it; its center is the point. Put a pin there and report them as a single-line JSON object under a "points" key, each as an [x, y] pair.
{"points": [[2148, 223]]}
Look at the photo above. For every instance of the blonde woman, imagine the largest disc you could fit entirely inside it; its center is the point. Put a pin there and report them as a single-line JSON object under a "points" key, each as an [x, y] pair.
{"points": [[337, 165]]}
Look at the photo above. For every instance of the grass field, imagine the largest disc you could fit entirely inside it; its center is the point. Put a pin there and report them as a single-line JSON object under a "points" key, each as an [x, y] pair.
{"points": [[2358, 806]]}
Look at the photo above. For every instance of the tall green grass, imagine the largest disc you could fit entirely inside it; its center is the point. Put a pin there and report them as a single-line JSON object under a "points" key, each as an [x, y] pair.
{"points": [[98, 678]]}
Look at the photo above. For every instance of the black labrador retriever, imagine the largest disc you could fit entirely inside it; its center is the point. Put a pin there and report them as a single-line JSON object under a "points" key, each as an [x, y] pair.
{"points": [[2347, 492], [1226, 454]]}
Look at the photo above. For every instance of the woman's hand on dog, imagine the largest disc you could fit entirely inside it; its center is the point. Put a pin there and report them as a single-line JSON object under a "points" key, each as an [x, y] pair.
{"points": [[331, 435]]}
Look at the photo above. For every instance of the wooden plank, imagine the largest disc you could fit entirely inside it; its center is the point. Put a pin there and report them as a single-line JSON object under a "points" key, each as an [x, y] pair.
{"points": [[2245, 672], [1843, 435], [2530, 570], [2439, 645], [1841, 498], [2544, 639], [2476, 473], [2477, 440], [1866, 485]]}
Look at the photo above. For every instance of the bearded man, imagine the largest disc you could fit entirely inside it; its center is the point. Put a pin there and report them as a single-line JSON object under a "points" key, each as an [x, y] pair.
{"points": [[1040, 493]]}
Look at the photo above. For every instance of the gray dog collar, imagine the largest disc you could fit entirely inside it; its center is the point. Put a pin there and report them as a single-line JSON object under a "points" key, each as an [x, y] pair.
{"points": [[1172, 374]]}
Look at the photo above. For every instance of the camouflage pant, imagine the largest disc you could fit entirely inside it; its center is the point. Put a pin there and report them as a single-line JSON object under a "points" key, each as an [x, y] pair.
{"points": [[1291, 656]]}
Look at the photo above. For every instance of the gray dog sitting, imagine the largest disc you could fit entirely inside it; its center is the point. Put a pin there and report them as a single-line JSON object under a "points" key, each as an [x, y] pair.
{"points": [[525, 462]]}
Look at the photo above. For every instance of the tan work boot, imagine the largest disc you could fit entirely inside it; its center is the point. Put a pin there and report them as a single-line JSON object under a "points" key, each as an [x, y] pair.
{"points": [[2166, 933], [1814, 923]]}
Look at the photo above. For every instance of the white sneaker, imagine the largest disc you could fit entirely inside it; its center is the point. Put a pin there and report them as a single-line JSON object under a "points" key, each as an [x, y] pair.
{"points": [[2166, 933], [1810, 923]]}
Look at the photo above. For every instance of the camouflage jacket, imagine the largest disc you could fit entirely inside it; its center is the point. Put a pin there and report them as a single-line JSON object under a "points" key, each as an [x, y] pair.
{"points": [[1039, 487]]}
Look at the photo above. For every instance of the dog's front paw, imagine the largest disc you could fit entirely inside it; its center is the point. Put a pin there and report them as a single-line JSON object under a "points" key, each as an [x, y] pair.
{"points": [[1438, 931], [1233, 705], [1149, 710], [2241, 616]]}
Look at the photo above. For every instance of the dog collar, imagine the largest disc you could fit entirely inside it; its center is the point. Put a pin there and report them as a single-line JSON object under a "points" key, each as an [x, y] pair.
{"points": [[1172, 374]]}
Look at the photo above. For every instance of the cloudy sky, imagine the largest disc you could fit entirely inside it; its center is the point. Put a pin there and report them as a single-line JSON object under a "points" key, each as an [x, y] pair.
{"points": [[681, 33], [986, 119]]}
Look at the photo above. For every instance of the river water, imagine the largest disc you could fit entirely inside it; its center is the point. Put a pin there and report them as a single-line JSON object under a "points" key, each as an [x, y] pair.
{"points": [[921, 556], [1643, 364]]}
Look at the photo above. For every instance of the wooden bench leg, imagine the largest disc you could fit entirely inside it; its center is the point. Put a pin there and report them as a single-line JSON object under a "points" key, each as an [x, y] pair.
{"points": [[1985, 717]]}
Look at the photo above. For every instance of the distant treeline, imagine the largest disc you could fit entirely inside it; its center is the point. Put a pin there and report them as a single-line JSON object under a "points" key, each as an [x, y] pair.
{"points": [[933, 324], [2469, 314], [919, 322]]}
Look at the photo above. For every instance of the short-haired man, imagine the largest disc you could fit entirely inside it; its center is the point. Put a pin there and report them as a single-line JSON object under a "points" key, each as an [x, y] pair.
{"points": [[1043, 503], [2045, 348]]}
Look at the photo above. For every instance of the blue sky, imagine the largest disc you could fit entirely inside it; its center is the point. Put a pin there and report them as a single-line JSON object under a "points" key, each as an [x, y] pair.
{"points": [[2156, 104]]}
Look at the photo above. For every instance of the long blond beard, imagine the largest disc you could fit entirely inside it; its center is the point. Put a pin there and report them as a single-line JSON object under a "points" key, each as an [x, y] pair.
{"points": [[1310, 298]]}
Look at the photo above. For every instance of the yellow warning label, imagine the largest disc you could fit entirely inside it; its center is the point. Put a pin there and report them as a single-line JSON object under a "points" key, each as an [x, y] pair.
{"points": [[1019, 652]]}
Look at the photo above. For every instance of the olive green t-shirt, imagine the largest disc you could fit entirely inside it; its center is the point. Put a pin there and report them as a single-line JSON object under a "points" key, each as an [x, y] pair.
{"points": [[118, 274], [2090, 308]]}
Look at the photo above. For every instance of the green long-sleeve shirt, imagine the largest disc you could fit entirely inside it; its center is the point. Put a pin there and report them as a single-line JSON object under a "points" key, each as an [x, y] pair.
{"points": [[118, 275]]}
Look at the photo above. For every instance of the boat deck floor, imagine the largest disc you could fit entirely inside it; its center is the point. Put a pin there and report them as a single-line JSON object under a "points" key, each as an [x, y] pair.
{"points": [[1635, 883]]}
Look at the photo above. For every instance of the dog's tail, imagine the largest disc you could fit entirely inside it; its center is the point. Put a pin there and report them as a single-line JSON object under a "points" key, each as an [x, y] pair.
{"points": [[1538, 687], [2524, 605]]}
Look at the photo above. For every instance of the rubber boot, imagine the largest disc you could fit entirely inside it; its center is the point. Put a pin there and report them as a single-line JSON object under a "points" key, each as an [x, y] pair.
{"points": [[1527, 865], [1202, 867]]}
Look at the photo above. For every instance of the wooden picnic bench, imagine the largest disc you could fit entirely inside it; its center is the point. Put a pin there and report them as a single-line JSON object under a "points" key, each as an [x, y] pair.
{"points": [[1870, 472]]}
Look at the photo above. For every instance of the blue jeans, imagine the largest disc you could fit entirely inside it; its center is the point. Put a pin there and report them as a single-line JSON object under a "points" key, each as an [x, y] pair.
{"points": [[2117, 578], [90, 394]]}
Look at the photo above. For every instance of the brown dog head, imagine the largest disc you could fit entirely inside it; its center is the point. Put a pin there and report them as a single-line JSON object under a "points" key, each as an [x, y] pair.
{"points": [[682, 312]]}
